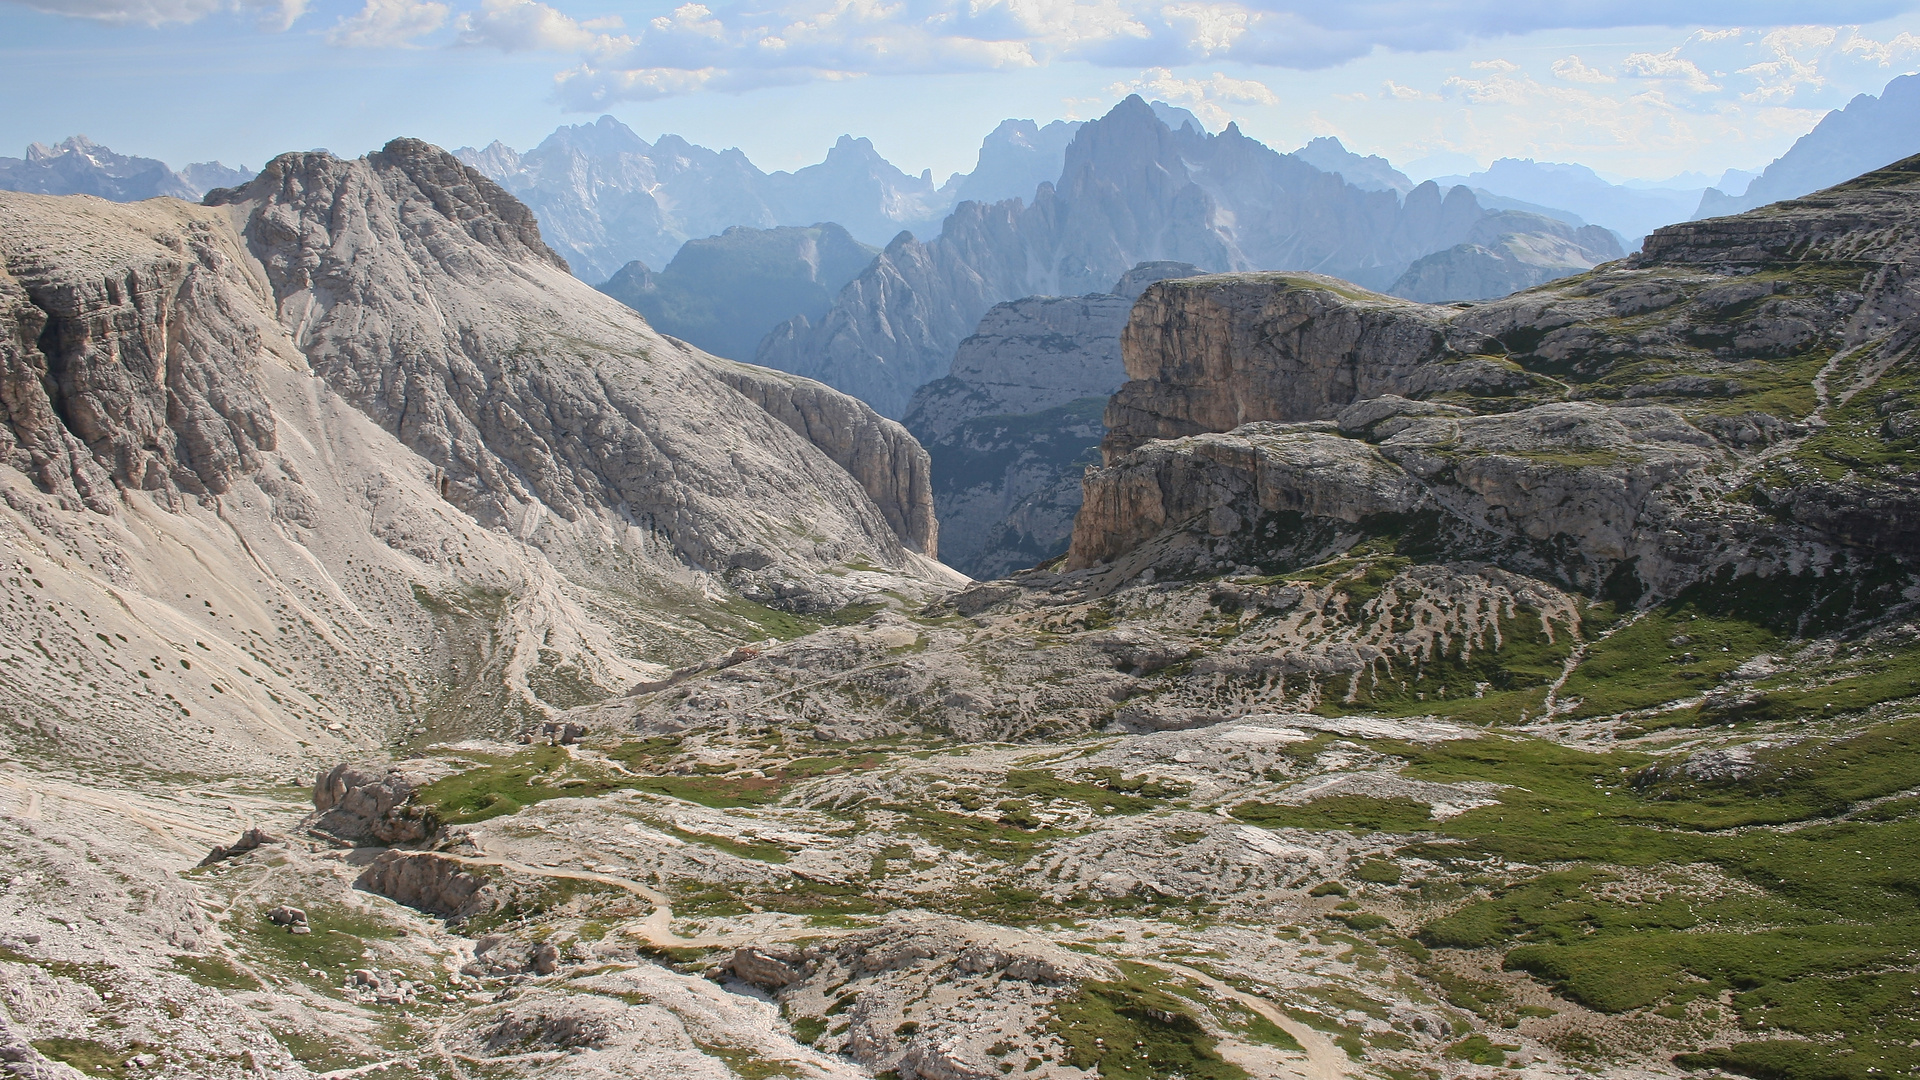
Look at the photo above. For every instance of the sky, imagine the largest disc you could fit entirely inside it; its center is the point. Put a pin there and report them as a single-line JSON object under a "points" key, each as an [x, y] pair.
{"points": [[1632, 88]]}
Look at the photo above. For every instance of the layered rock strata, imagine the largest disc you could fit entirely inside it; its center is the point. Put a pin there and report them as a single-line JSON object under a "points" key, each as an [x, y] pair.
{"points": [[1730, 402]]}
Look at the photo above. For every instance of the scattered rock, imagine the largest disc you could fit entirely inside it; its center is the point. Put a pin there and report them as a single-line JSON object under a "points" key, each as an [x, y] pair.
{"points": [[249, 840], [358, 804], [431, 883], [770, 968]]}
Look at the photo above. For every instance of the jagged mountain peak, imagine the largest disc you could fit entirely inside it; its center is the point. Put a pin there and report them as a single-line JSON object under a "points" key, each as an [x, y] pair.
{"points": [[606, 135], [72, 144], [483, 209]]}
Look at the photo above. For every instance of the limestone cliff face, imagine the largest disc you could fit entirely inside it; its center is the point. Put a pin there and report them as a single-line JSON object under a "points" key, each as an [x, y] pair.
{"points": [[1018, 420], [134, 365], [349, 455], [1210, 353], [1026, 356], [1734, 401], [890, 466]]}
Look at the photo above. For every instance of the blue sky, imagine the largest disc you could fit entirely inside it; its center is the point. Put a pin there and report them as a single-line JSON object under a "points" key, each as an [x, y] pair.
{"points": [[1631, 87]]}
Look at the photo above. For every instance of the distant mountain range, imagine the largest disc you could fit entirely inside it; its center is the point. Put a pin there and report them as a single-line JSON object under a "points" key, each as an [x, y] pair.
{"points": [[724, 293], [1547, 187], [606, 197], [1134, 189], [1869, 133], [80, 166]]}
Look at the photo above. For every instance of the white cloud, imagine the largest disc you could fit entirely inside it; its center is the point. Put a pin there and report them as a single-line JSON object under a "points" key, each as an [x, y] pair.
{"points": [[1503, 84], [1407, 93], [1671, 66], [527, 25], [388, 24], [1795, 65], [587, 88], [272, 15], [1884, 53], [1574, 69], [1207, 98]]}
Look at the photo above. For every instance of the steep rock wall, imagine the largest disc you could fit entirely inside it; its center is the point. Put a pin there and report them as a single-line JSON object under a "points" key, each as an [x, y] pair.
{"points": [[1211, 353], [889, 465]]}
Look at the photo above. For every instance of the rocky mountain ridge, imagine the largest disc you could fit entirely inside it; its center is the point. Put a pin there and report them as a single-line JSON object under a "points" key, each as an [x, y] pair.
{"points": [[607, 197], [80, 166], [724, 293], [355, 454], [1871, 131]]}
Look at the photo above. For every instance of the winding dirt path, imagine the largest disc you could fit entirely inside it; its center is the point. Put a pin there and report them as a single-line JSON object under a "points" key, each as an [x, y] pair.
{"points": [[1325, 1061]]}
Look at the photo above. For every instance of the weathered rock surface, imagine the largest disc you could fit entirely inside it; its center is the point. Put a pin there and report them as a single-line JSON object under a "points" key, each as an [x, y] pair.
{"points": [[1211, 353], [1027, 356], [943, 973], [889, 465], [369, 805], [432, 883]]}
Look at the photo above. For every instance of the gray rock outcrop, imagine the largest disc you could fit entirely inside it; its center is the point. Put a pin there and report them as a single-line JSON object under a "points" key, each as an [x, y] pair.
{"points": [[369, 805], [431, 883], [1209, 354]]}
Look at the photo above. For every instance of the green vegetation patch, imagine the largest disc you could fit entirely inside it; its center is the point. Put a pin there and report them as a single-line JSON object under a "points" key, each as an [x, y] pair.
{"points": [[748, 1064], [1353, 813], [1106, 790], [505, 785], [1668, 654], [1134, 1028], [214, 971], [88, 1056], [1479, 1050], [526, 901], [769, 853], [339, 936], [1822, 925], [1012, 843]]}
